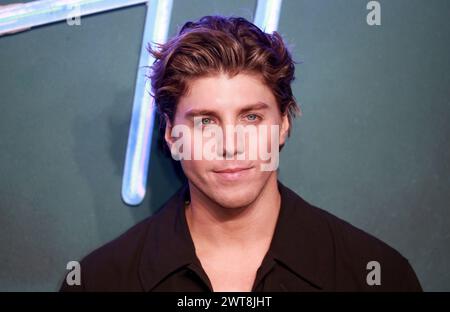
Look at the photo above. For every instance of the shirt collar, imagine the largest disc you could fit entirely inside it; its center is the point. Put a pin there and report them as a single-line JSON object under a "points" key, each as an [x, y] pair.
{"points": [[300, 240], [168, 244], [296, 244]]}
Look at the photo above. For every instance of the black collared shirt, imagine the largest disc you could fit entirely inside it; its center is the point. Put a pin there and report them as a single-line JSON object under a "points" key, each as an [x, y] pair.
{"points": [[311, 250]]}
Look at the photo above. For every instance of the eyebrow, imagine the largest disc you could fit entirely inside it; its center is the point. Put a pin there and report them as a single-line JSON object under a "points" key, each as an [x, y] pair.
{"points": [[252, 107]]}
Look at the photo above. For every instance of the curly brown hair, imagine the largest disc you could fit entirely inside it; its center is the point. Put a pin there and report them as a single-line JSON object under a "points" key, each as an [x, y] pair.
{"points": [[218, 44]]}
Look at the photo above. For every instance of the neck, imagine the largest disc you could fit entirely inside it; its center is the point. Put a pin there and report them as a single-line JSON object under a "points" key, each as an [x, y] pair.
{"points": [[221, 227]]}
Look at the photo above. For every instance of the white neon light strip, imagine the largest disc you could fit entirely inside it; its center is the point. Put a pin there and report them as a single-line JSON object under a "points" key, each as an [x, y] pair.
{"points": [[134, 183], [22, 16], [267, 15]]}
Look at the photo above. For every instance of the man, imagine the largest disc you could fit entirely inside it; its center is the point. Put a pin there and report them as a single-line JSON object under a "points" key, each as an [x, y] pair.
{"points": [[223, 91]]}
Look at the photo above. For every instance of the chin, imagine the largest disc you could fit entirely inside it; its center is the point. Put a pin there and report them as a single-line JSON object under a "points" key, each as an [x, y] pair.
{"points": [[234, 203], [238, 199]]}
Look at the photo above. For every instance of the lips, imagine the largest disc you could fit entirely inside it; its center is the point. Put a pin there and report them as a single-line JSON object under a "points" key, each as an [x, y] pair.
{"points": [[233, 174], [232, 170]]}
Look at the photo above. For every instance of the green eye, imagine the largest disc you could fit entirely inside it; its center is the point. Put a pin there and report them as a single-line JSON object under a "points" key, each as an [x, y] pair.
{"points": [[206, 121]]}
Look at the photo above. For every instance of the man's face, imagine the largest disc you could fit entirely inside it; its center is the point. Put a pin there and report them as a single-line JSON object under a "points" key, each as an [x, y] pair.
{"points": [[234, 177]]}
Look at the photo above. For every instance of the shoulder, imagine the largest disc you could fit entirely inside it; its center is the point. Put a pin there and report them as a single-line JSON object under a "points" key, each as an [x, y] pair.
{"points": [[384, 267], [356, 254], [115, 265]]}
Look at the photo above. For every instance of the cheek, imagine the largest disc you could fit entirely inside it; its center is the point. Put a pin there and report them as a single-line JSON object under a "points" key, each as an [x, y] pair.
{"points": [[262, 141], [194, 168], [199, 140], [187, 145]]}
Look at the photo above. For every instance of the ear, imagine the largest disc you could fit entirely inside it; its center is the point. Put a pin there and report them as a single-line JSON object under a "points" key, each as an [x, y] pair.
{"points": [[168, 131], [284, 128]]}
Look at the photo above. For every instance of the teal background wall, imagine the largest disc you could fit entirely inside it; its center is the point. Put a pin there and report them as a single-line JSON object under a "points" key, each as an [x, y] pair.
{"points": [[372, 146]]}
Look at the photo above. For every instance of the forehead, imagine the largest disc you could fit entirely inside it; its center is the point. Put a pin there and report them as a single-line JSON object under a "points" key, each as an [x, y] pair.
{"points": [[223, 93]]}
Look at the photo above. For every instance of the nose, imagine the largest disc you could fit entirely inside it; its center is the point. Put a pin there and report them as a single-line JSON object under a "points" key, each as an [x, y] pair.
{"points": [[233, 144]]}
